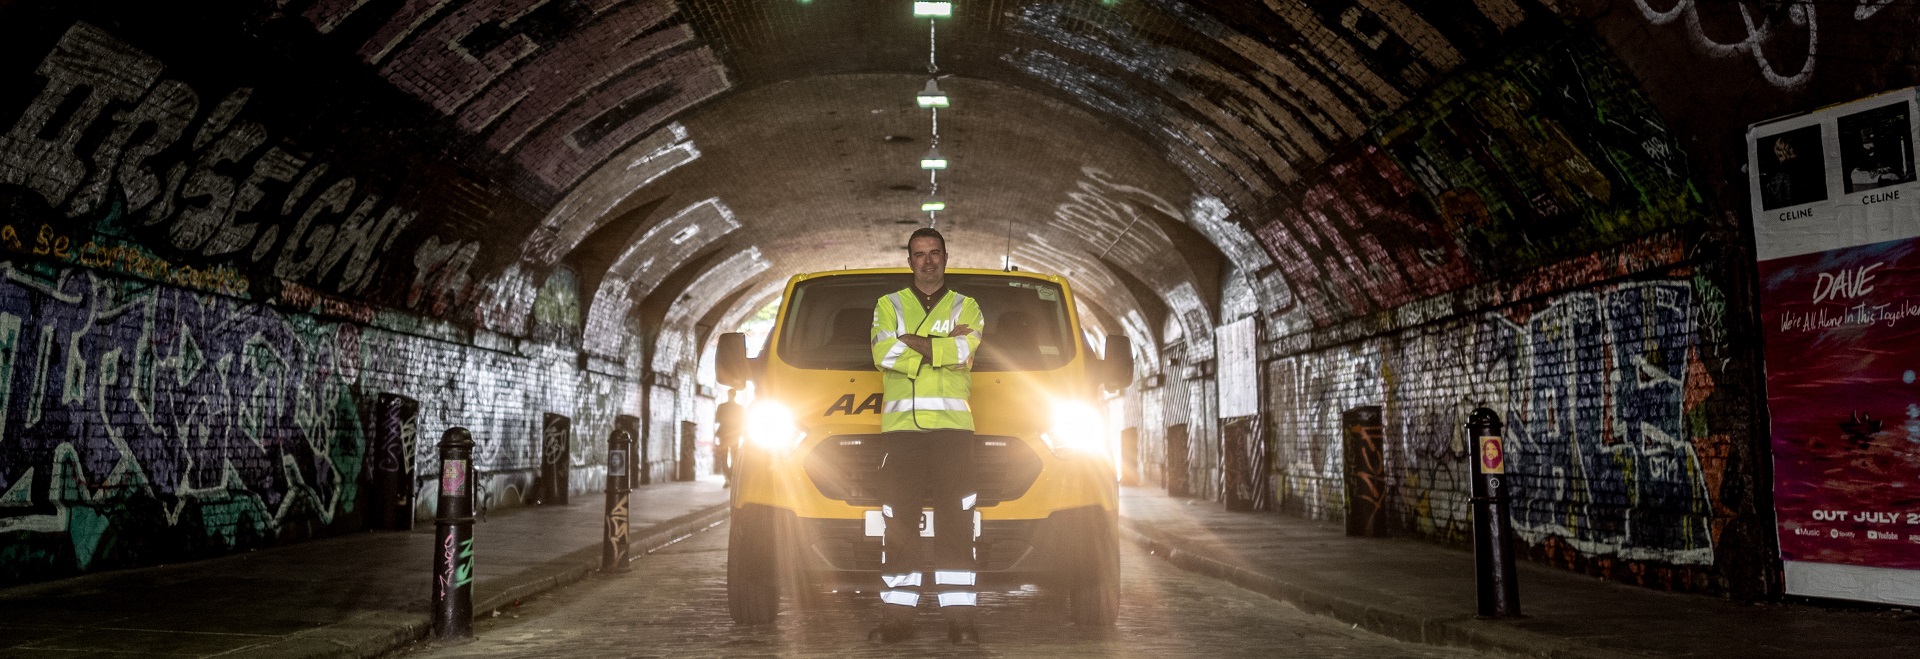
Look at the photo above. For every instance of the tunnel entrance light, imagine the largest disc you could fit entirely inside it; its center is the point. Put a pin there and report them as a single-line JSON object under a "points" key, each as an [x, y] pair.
{"points": [[933, 9], [932, 97], [933, 159]]}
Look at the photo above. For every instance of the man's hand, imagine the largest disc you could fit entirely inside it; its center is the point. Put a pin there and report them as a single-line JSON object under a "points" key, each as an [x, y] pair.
{"points": [[919, 344], [924, 344]]}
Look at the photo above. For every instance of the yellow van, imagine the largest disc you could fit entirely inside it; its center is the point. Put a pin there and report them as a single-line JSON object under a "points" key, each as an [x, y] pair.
{"points": [[805, 519]]}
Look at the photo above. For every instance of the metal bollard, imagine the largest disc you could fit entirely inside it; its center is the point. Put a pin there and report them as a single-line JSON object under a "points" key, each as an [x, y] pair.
{"points": [[613, 552], [453, 526], [1498, 583]]}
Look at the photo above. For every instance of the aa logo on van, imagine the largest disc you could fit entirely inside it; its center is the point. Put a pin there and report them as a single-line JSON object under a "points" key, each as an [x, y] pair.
{"points": [[845, 405]]}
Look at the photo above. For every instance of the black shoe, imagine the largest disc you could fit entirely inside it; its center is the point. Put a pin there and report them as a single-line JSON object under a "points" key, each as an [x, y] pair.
{"points": [[963, 633], [891, 631]]}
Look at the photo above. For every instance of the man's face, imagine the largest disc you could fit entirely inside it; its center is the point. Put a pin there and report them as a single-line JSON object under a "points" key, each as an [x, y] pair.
{"points": [[927, 259]]}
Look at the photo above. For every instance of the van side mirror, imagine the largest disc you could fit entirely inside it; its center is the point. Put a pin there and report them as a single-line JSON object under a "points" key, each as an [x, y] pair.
{"points": [[730, 361], [1117, 368]]}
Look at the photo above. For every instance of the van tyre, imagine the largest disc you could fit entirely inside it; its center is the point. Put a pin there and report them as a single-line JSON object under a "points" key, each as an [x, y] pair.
{"points": [[1094, 597], [753, 580]]}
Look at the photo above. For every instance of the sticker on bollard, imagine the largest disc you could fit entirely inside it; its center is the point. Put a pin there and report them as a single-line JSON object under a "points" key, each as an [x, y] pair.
{"points": [[453, 478], [1493, 457]]}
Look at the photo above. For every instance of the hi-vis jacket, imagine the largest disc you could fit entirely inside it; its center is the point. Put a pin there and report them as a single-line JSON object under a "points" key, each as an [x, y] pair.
{"points": [[929, 393]]}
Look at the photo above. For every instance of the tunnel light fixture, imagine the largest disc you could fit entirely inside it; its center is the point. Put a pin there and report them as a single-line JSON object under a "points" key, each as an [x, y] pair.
{"points": [[932, 204], [933, 9], [932, 97], [933, 159]]}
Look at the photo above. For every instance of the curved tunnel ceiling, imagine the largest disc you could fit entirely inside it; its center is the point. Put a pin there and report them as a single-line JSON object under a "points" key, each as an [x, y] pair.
{"points": [[820, 173], [465, 148]]}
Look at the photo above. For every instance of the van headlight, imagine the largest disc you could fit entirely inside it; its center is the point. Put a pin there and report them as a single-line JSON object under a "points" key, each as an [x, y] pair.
{"points": [[1077, 429], [771, 426]]}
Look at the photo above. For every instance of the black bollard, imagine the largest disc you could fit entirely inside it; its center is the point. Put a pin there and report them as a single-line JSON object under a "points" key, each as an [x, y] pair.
{"points": [[613, 552], [453, 526], [1498, 583]]}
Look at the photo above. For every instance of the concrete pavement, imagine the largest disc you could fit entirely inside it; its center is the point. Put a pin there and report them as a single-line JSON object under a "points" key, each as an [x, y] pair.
{"points": [[365, 594], [1423, 592], [358, 595]]}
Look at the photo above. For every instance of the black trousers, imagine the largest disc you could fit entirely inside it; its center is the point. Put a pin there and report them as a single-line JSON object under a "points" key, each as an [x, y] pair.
{"points": [[920, 468]]}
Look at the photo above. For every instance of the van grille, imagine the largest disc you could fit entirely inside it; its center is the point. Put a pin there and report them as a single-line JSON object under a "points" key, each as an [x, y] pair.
{"points": [[844, 467]]}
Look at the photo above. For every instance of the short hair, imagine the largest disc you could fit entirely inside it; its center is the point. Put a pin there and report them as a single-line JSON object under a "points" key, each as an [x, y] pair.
{"points": [[926, 232]]}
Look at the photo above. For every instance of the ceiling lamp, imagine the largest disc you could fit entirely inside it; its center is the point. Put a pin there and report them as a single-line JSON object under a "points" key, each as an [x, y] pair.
{"points": [[933, 204], [932, 97], [933, 9], [933, 159]]}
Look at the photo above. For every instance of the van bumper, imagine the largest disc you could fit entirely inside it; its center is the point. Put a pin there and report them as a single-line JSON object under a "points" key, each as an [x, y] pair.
{"points": [[836, 554]]}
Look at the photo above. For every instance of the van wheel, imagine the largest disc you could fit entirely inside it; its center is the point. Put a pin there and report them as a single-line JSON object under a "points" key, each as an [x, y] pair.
{"points": [[790, 558], [753, 592], [1094, 598]]}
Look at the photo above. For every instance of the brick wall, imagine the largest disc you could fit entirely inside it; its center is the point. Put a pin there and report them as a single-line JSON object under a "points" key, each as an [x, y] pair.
{"points": [[147, 423]]}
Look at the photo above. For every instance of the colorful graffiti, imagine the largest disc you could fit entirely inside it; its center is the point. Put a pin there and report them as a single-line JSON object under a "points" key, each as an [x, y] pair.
{"points": [[142, 423], [1550, 154], [1602, 392]]}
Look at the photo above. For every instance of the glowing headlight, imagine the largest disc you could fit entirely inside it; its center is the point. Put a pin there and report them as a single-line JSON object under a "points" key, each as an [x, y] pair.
{"points": [[771, 426], [1078, 429]]}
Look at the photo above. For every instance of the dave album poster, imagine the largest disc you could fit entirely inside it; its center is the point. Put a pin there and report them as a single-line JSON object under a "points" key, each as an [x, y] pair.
{"points": [[1836, 213]]}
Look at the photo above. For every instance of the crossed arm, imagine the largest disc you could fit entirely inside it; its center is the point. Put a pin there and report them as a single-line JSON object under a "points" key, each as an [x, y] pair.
{"points": [[924, 344], [906, 352]]}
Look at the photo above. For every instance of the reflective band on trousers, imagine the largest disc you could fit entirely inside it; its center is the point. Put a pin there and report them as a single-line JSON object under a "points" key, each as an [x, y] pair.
{"points": [[952, 578], [928, 405], [901, 597], [904, 580], [958, 599]]}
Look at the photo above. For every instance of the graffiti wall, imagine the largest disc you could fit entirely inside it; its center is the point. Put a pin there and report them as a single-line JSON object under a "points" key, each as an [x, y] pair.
{"points": [[1614, 455], [145, 423], [1519, 237], [1517, 168]]}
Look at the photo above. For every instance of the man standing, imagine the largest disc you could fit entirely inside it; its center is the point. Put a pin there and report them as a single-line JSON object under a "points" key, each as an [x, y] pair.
{"points": [[924, 338], [727, 419]]}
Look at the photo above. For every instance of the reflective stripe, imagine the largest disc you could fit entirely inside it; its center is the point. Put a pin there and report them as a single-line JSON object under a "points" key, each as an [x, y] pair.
{"points": [[956, 599], [960, 348], [952, 578], [902, 597], [904, 580], [928, 405], [893, 355], [899, 314], [882, 335], [967, 503], [953, 318]]}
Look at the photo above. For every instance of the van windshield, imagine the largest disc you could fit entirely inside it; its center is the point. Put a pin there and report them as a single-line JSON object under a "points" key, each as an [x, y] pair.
{"points": [[826, 325]]}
